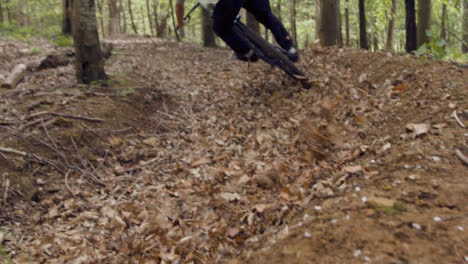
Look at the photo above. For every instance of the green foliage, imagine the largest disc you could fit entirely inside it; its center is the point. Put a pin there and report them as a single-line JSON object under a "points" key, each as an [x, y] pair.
{"points": [[4, 256], [63, 41]]}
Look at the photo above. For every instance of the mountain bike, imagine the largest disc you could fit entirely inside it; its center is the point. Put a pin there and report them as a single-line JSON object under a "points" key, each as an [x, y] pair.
{"points": [[272, 54]]}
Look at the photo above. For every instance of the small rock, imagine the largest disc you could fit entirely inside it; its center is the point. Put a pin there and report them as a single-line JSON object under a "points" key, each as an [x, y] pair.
{"points": [[152, 141], [307, 235], [413, 177], [364, 199], [436, 159], [380, 202], [418, 129], [317, 208], [357, 253], [437, 219], [416, 226], [40, 181], [460, 228], [357, 189], [386, 147], [334, 221]]}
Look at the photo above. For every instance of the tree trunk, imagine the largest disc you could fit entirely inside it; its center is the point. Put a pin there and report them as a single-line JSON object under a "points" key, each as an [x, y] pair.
{"points": [[101, 16], [362, 26], [340, 26], [328, 28], [278, 9], [132, 20], [143, 20], [443, 30], [293, 23], [114, 17], [123, 28], [1, 12], [8, 10], [318, 21], [89, 61], [347, 22], [465, 27], [207, 29], [424, 21], [391, 26], [150, 19], [67, 11], [171, 5], [411, 30], [252, 23]]}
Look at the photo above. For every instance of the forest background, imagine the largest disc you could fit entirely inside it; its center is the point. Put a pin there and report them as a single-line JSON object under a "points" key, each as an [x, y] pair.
{"points": [[443, 22]]}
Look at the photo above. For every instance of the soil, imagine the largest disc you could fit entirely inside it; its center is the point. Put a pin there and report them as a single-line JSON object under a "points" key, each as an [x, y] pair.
{"points": [[189, 156]]}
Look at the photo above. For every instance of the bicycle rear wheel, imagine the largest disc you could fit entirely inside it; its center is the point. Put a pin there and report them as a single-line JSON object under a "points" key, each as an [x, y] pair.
{"points": [[277, 57]]}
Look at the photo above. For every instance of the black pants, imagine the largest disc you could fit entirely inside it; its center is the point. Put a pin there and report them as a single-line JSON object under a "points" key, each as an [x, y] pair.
{"points": [[226, 11]]}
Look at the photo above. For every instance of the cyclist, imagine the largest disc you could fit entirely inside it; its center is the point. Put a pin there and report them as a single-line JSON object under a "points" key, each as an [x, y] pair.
{"points": [[224, 14]]}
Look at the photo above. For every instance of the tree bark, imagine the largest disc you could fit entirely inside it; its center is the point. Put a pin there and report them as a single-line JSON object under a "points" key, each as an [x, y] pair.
{"points": [[1, 12], [411, 30], [89, 61], [150, 19], [131, 17], [318, 21], [391, 26], [362, 26], [123, 28], [424, 21], [293, 23], [347, 22], [207, 29], [328, 28], [143, 20], [174, 20], [443, 25], [340, 26], [465, 27], [114, 17], [67, 11], [252, 23]]}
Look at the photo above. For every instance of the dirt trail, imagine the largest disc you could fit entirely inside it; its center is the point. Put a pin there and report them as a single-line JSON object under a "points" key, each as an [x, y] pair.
{"points": [[189, 156]]}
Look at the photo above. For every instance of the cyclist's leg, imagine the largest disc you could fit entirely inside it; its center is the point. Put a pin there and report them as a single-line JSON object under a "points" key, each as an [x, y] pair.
{"points": [[262, 11], [224, 14]]}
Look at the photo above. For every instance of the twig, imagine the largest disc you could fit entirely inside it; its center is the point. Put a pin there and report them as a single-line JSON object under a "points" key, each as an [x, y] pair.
{"points": [[458, 119], [13, 151], [461, 156], [66, 183], [91, 119], [32, 123]]}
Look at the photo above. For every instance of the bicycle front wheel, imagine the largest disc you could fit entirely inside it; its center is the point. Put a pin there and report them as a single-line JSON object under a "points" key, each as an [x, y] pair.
{"points": [[278, 58]]}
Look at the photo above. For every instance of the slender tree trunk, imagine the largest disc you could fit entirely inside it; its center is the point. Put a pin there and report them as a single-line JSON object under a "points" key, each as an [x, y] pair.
{"points": [[89, 61], [150, 19], [1, 12], [8, 10], [340, 26], [143, 20], [424, 21], [207, 29], [278, 9], [252, 23], [465, 26], [362, 26], [347, 22], [114, 17], [318, 19], [443, 30], [293, 22], [67, 11], [328, 28], [124, 17], [101, 16], [174, 20], [411, 30], [391, 26], [132, 20]]}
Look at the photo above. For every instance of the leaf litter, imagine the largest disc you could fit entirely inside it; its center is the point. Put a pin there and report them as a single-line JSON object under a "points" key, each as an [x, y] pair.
{"points": [[202, 159]]}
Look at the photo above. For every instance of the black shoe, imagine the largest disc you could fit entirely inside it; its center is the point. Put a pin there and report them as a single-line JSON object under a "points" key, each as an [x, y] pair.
{"points": [[249, 56], [292, 54]]}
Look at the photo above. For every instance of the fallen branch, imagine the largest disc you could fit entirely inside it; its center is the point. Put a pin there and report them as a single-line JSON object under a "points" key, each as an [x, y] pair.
{"points": [[458, 119], [461, 156], [91, 119]]}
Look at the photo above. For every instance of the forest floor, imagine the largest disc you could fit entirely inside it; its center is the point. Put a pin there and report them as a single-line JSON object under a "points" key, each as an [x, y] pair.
{"points": [[189, 156]]}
